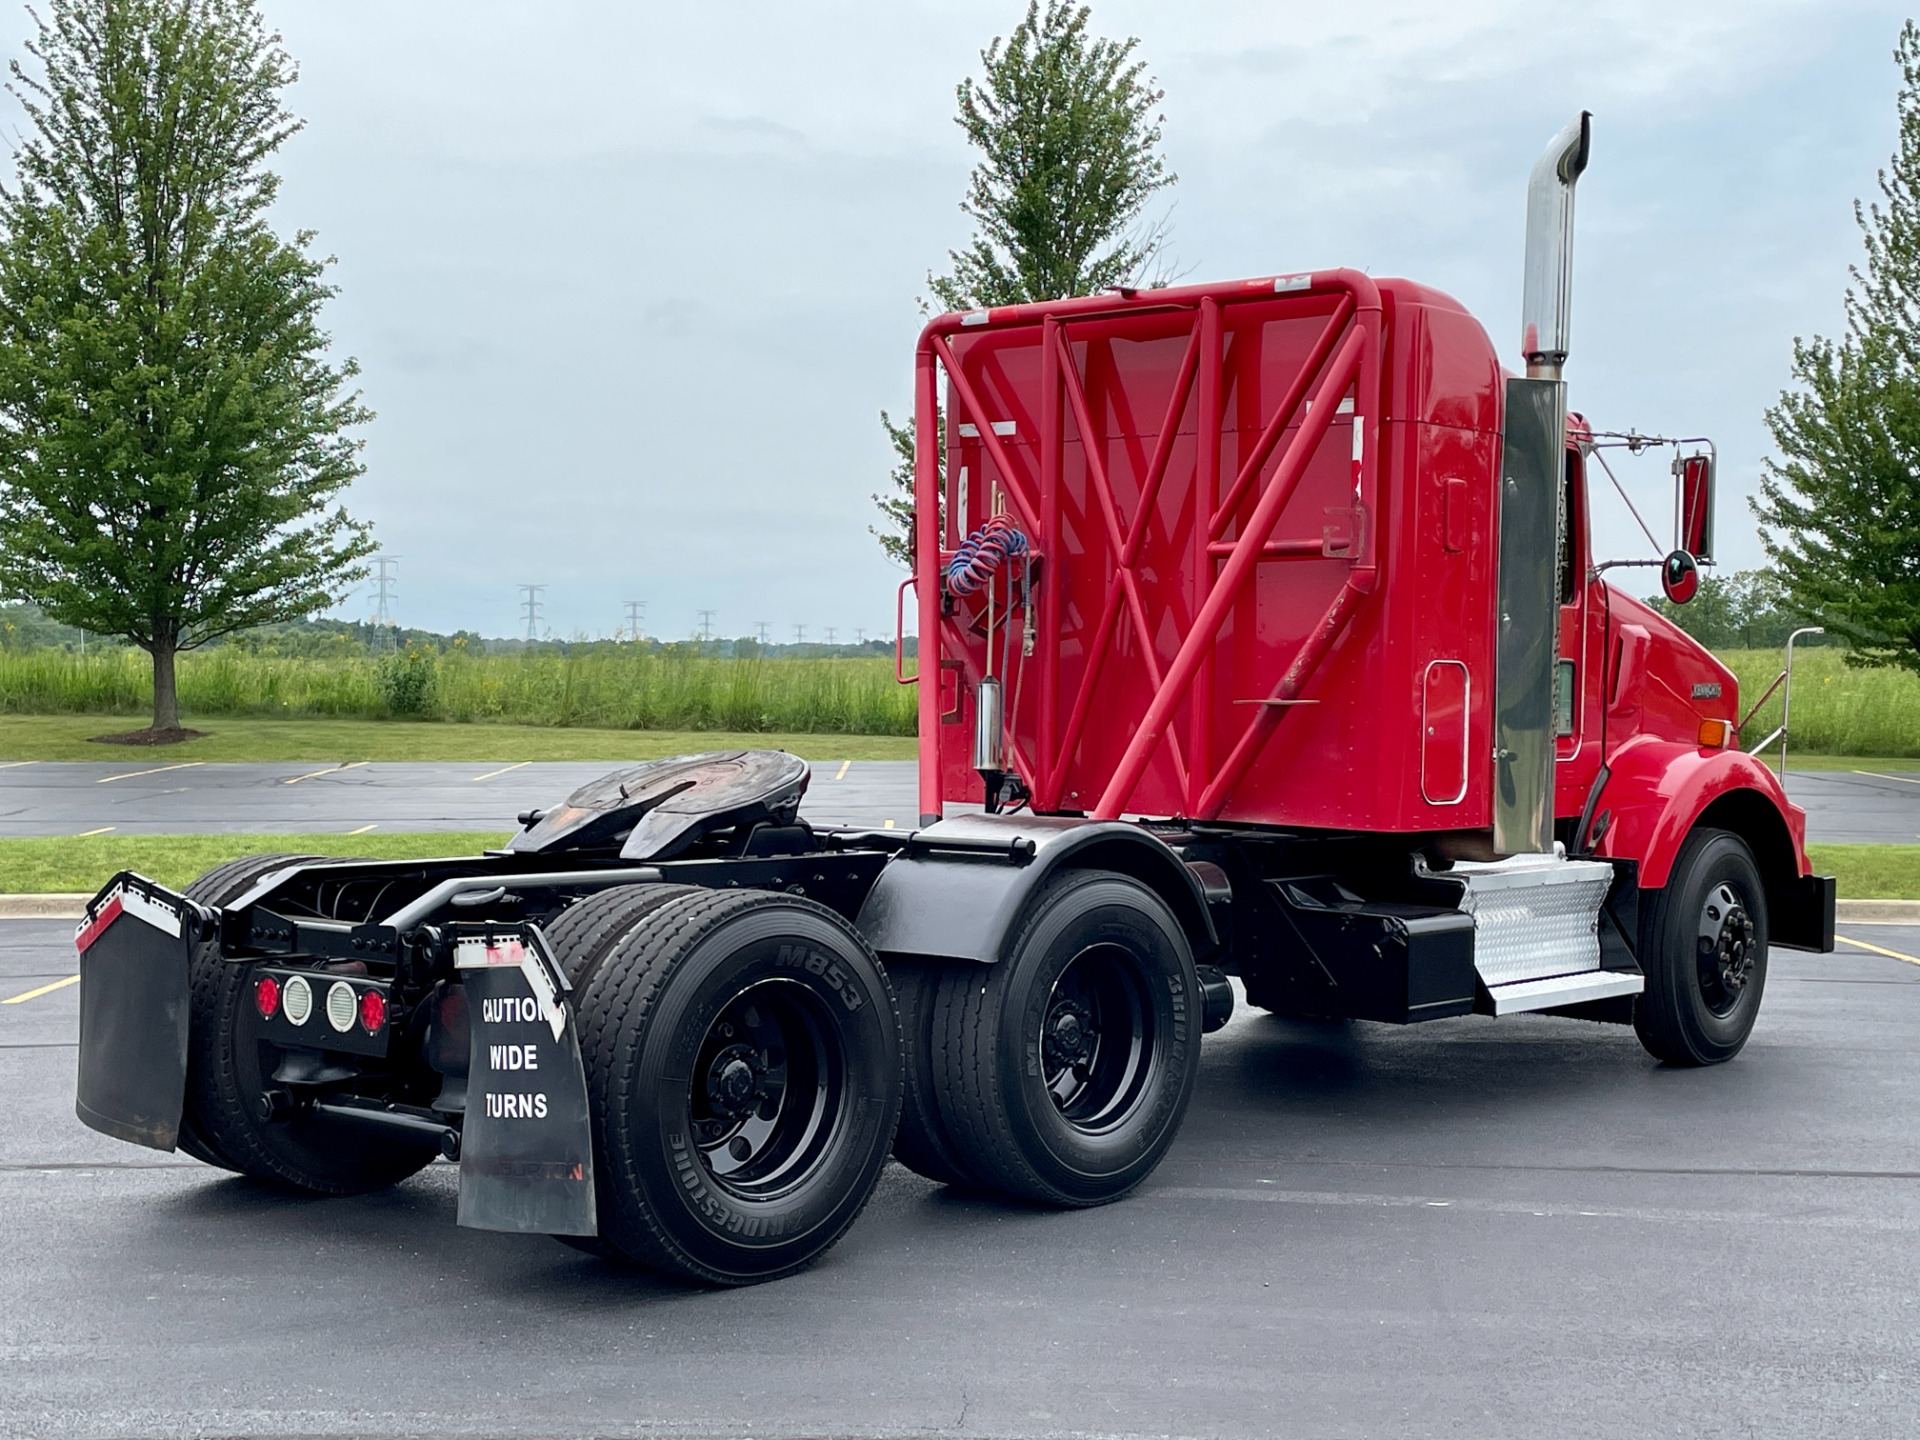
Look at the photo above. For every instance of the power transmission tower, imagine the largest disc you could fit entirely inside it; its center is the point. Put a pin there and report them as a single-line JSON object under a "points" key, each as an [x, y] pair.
{"points": [[859, 637], [831, 633], [387, 568], [799, 634], [530, 602], [636, 612], [706, 624], [760, 629]]}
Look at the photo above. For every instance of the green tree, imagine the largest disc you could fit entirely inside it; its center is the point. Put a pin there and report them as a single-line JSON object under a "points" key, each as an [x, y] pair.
{"points": [[1067, 125], [1840, 509], [172, 431]]}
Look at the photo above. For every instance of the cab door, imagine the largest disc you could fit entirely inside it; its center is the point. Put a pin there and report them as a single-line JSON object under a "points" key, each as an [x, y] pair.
{"points": [[1577, 686]]}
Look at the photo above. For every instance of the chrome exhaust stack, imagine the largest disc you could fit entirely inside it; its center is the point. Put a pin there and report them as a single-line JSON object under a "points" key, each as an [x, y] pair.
{"points": [[1533, 460], [1547, 300]]}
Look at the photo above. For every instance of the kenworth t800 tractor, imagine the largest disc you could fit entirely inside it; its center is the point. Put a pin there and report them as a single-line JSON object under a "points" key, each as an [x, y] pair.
{"points": [[1262, 652]]}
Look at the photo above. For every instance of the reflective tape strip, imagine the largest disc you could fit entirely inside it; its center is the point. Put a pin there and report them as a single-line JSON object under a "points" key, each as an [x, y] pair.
{"points": [[125, 902], [516, 954], [1284, 283]]}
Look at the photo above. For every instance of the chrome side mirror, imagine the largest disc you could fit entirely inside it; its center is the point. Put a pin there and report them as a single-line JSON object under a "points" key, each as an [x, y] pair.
{"points": [[1693, 503], [1680, 577]]}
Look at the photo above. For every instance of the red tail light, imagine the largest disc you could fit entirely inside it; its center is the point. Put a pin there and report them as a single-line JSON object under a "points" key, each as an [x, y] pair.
{"points": [[266, 995], [373, 1011]]}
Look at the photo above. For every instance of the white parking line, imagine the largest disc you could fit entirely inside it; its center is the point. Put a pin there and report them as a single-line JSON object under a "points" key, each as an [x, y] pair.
{"points": [[316, 774], [101, 831], [501, 771], [157, 770], [363, 829], [16, 764], [844, 766]]}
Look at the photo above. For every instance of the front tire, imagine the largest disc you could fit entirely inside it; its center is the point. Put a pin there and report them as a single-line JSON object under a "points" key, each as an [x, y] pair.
{"points": [[1065, 1069], [1705, 954], [742, 1054]]}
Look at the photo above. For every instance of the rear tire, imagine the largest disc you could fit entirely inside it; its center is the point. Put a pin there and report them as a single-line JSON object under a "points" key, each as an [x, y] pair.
{"points": [[742, 1054], [924, 1144], [581, 937], [1065, 1069], [226, 1077], [1705, 954]]}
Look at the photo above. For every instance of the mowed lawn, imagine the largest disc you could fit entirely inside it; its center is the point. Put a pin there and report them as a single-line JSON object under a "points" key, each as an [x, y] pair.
{"points": [[70, 737]]}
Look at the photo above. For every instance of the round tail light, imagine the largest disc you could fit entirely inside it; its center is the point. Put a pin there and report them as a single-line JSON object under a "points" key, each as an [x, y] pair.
{"points": [[342, 1006], [266, 996], [373, 1011], [296, 999]]}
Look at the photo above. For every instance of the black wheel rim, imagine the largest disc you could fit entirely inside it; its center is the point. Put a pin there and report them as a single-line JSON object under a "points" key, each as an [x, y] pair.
{"points": [[1728, 947], [1097, 1050], [767, 1089]]}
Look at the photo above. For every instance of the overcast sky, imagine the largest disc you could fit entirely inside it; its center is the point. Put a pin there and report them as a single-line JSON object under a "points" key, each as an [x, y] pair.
{"points": [[630, 282]]}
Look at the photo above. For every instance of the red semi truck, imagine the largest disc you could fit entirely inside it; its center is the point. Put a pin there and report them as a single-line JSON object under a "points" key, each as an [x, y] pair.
{"points": [[1260, 638]]}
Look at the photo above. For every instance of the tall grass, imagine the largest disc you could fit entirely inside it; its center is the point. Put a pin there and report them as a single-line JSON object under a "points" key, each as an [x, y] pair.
{"points": [[640, 691], [1837, 710]]}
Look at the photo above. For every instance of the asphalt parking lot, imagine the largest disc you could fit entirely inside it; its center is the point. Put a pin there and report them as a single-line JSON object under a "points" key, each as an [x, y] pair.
{"points": [[132, 798], [1470, 1228]]}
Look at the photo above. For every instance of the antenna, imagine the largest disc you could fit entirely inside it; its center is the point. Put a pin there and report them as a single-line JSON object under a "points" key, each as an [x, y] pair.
{"points": [[530, 603], [706, 624], [636, 612]]}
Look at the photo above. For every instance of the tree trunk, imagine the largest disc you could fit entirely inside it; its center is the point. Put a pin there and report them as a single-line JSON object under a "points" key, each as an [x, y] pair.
{"points": [[166, 699]]}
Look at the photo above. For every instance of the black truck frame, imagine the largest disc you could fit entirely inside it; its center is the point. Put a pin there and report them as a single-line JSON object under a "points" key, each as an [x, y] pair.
{"points": [[674, 1023]]}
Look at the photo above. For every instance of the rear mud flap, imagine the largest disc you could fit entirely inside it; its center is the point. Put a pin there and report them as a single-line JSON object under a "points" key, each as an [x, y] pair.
{"points": [[135, 945], [526, 1150]]}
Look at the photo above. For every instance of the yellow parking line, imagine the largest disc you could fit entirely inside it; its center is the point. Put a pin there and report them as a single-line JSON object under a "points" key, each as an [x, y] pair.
{"points": [[316, 774], [85, 833], [1890, 954], [43, 990], [1903, 779], [889, 824], [844, 764], [158, 769], [503, 770], [363, 829]]}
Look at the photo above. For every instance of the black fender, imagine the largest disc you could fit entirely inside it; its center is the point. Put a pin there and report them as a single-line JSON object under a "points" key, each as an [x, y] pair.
{"points": [[958, 888]]}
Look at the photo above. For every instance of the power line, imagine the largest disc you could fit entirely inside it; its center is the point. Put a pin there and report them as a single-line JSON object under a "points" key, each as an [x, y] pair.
{"points": [[636, 612], [530, 603], [706, 624]]}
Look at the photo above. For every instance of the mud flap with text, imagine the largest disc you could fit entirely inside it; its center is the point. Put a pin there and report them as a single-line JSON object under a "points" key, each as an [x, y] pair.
{"points": [[526, 1150], [135, 945]]}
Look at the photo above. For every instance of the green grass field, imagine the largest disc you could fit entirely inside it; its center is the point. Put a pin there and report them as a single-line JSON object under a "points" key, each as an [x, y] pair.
{"points": [[56, 864], [41, 865], [1836, 710], [602, 689], [67, 737]]}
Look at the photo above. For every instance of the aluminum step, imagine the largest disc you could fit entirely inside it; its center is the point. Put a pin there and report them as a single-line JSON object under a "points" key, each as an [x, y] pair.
{"points": [[1557, 990], [1535, 917]]}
